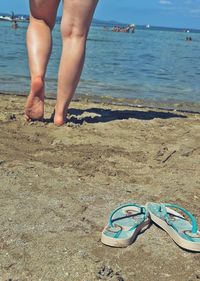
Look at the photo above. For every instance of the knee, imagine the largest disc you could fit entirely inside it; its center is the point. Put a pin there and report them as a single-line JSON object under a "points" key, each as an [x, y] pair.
{"points": [[42, 21], [73, 32]]}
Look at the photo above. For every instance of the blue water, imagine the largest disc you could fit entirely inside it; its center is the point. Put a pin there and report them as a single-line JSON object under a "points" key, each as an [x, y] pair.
{"points": [[154, 65]]}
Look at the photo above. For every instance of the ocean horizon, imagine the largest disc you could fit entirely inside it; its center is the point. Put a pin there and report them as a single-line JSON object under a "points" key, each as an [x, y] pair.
{"points": [[96, 21]]}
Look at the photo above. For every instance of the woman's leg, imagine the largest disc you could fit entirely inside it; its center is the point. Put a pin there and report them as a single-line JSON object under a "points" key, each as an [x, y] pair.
{"points": [[39, 44], [76, 20]]}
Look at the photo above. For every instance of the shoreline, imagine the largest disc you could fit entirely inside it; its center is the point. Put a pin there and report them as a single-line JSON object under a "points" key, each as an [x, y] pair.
{"points": [[184, 107]]}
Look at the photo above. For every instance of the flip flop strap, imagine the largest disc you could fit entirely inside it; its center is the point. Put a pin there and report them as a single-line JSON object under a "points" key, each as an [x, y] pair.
{"points": [[170, 222], [142, 211]]}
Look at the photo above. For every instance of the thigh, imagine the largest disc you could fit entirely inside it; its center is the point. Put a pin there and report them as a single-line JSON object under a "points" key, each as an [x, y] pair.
{"points": [[45, 10], [77, 16]]}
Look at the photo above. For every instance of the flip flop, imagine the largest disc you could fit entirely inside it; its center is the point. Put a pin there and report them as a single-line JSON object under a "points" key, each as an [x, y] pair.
{"points": [[124, 225], [184, 233]]}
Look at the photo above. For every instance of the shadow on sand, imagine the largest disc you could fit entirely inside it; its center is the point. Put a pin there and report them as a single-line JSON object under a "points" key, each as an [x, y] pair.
{"points": [[100, 115]]}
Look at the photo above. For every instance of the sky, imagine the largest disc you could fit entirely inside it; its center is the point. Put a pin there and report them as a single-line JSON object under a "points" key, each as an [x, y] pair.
{"points": [[169, 13]]}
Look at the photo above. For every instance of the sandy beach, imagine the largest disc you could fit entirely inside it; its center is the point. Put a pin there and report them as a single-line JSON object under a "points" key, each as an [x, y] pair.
{"points": [[59, 184]]}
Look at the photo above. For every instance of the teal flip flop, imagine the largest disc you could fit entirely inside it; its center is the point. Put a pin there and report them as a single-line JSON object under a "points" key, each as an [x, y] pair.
{"points": [[184, 233], [124, 225]]}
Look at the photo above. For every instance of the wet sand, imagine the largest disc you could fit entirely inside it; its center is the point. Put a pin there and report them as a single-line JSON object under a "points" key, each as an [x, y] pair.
{"points": [[58, 186]]}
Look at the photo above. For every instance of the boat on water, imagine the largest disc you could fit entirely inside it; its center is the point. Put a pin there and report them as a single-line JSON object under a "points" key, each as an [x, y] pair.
{"points": [[5, 18], [148, 26], [14, 18]]}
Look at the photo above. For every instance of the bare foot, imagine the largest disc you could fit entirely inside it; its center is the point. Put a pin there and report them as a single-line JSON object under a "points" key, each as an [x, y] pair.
{"points": [[59, 117], [34, 109]]}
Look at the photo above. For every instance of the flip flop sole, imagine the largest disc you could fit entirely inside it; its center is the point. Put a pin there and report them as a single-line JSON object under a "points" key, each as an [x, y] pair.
{"points": [[183, 243], [122, 243]]}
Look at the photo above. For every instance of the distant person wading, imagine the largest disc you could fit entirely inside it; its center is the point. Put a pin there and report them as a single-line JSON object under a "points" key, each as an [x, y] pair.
{"points": [[75, 24], [14, 25]]}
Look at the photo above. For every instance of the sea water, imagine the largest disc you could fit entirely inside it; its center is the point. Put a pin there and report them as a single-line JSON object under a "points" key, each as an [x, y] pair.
{"points": [[151, 65]]}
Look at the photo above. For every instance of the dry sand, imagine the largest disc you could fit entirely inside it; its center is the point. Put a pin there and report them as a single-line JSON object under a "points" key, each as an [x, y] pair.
{"points": [[58, 186]]}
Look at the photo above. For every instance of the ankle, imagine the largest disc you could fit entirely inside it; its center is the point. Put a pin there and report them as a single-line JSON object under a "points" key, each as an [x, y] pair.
{"points": [[38, 78], [37, 84]]}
